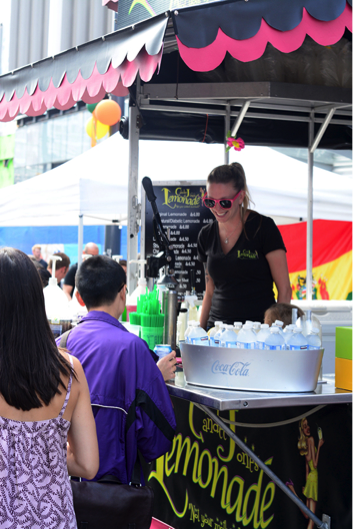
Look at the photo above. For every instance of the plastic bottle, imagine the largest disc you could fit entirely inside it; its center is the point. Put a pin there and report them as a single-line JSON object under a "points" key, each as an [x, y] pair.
{"points": [[188, 331], [262, 336], [237, 327], [297, 341], [246, 337], [193, 314], [131, 301], [213, 331], [288, 331], [256, 327], [274, 341], [229, 337], [279, 324], [217, 336], [182, 324], [198, 335], [314, 342]]}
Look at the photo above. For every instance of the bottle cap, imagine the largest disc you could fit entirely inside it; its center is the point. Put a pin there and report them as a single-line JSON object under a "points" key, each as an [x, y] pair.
{"points": [[264, 326], [218, 323], [279, 323], [314, 330], [274, 329], [238, 324]]}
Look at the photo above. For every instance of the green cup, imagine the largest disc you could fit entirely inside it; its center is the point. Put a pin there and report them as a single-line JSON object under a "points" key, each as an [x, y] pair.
{"points": [[152, 336]]}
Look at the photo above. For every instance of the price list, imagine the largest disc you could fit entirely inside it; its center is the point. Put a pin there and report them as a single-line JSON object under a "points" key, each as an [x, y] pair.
{"points": [[183, 215]]}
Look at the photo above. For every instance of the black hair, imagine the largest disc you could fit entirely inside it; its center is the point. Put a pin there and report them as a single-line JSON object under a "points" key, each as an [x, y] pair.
{"points": [[98, 280], [30, 362], [43, 273]]}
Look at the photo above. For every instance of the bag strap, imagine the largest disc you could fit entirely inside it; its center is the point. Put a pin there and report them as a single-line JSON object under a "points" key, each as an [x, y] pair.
{"points": [[136, 473], [63, 339]]}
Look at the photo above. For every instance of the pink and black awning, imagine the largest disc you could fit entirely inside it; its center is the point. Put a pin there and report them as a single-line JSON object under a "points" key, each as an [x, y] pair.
{"points": [[106, 65], [244, 28], [204, 34]]}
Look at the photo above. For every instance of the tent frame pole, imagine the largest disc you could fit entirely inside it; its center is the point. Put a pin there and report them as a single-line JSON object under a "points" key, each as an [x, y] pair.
{"points": [[227, 128], [80, 239], [133, 209], [240, 117], [310, 211]]}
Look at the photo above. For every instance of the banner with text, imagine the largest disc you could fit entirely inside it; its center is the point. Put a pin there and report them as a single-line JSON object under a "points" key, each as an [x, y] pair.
{"points": [[206, 481]]}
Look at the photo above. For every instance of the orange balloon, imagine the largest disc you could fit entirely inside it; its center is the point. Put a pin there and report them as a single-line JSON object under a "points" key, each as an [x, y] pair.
{"points": [[108, 112]]}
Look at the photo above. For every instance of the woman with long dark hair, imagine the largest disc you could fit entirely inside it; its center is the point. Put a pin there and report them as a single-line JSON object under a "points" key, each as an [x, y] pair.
{"points": [[47, 429], [242, 251]]}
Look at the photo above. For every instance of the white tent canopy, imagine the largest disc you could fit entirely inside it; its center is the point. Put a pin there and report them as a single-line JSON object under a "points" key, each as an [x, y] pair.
{"points": [[95, 184], [57, 198]]}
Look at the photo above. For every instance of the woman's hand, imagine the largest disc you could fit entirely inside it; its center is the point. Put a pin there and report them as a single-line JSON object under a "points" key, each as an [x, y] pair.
{"points": [[167, 366]]}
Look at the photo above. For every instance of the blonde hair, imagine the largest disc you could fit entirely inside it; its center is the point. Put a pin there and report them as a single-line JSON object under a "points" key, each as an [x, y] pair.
{"points": [[234, 174], [302, 440]]}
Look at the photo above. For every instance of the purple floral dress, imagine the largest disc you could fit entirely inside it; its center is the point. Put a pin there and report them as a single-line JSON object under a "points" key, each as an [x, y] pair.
{"points": [[35, 490]]}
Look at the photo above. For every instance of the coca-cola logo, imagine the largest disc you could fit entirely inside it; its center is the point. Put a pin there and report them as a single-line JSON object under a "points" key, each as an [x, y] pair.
{"points": [[237, 368]]}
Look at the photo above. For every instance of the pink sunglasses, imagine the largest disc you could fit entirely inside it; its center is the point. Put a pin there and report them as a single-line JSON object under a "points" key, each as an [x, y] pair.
{"points": [[226, 204]]}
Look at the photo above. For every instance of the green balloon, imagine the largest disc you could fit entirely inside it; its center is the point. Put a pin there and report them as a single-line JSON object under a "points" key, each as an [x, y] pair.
{"points": [[91, 106]]}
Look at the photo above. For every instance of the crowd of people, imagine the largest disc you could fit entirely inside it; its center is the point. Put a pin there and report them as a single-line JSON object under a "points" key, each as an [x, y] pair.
{"points": [[86, 405]]}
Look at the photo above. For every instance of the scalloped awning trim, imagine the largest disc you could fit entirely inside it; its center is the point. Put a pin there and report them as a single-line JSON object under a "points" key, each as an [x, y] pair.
{"points": [[110, 4], [324, 33], [86, 73]]}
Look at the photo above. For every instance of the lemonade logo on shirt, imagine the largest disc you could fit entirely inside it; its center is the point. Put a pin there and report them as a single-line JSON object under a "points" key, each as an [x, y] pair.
{"points": [[247, 254]]}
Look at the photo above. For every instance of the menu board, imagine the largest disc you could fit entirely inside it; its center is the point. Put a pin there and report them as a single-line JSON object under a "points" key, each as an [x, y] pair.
{"points": [[183, 215]]}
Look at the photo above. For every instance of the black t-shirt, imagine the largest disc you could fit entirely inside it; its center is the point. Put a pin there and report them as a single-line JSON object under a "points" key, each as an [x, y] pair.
{"points": [[70, 276], [242, 278], [43, 263]]}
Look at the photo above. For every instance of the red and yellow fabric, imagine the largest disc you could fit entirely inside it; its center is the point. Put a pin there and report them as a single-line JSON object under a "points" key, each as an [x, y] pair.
{"points": [[332, 259]]}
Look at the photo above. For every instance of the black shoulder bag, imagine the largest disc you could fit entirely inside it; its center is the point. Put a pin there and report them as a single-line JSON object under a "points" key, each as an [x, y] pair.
{"points": [[109, 504]]}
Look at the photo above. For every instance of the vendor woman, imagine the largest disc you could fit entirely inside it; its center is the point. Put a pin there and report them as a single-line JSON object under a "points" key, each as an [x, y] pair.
{"points": [[242, 251]]}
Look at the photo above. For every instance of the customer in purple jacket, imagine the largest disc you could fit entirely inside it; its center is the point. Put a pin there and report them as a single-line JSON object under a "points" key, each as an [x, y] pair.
{"points": [[130, 400]]}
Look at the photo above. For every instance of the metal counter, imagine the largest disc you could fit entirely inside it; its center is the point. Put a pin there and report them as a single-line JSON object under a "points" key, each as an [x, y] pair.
{"points": [[325, 393]]}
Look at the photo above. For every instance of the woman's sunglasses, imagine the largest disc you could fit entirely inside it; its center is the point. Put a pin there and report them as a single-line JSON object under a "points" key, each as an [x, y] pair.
{"points": [[226, 204]]}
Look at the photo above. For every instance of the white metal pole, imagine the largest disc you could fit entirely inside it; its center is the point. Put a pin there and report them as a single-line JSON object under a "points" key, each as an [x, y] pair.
{"points": [[133, 207], [80, 239], [309, 226], [227, 128]]}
